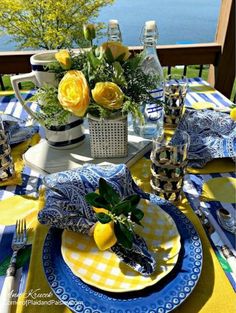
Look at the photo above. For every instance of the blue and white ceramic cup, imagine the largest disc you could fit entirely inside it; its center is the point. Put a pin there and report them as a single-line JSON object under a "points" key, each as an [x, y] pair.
{"points": [[39, 75]]}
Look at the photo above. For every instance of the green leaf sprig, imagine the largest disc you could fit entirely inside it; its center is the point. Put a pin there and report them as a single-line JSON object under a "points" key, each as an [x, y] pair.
{"points": [[50, 108], [122, 211]]}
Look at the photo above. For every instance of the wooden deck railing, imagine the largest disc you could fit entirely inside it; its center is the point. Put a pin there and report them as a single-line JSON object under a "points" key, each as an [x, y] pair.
{"points": [[19, 61], [220, 55]]}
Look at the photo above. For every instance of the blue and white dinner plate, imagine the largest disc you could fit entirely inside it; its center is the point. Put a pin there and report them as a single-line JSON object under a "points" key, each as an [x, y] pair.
{"points": [[162, 297]]}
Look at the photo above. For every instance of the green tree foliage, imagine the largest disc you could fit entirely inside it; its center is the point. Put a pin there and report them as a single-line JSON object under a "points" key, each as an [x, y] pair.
{"points": [[48, 24]]}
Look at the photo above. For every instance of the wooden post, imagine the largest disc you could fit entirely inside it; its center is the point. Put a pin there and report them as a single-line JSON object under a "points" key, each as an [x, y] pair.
{"points": [[1, 83], [222, 74]]}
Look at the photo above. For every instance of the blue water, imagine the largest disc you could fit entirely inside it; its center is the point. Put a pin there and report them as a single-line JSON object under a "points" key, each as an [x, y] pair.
{"points": [[192, 21]]}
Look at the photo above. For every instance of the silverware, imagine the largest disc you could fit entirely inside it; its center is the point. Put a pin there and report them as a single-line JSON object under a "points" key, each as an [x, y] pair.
{"points": [[18, 242]]}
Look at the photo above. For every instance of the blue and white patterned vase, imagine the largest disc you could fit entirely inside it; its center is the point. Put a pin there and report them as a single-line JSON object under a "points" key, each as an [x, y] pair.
{"points": [[66, 136]]}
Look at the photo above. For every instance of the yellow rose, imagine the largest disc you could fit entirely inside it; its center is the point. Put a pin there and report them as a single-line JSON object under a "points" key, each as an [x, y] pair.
{"points": [[64, 58], [73, 93], [115, 51], [108, 95]]}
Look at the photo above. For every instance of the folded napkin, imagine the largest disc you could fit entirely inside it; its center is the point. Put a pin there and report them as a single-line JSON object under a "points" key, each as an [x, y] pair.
{"points": [[16, 129], [66, 208], [212, 135]]}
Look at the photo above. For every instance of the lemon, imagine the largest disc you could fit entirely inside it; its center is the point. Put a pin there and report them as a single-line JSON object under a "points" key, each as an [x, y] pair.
{"points": [[104, 235], [100, 210], [233, 114]]}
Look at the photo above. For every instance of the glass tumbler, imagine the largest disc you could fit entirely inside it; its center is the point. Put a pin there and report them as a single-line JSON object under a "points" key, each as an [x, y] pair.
{"points": [[169, 162], [6, 163], [175, 90]]}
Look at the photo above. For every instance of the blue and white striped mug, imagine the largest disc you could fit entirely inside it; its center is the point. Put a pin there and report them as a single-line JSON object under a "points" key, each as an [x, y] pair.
{"points": [[59, 137]]}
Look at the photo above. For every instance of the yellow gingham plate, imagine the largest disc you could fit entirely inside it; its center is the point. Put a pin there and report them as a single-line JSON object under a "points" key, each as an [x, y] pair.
{"points": [[104, 270]]}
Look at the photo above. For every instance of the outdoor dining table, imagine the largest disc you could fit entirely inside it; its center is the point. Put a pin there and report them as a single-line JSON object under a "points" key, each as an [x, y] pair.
{"points": [[21, 198]]}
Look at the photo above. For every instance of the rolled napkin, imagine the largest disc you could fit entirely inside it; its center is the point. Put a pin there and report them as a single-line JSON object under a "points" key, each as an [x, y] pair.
{"points": [[66, 207], [17, 130], [212, 135]]}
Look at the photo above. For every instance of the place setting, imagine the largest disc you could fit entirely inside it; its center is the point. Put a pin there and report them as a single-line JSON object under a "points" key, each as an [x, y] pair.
{"points": [[159, 265]]}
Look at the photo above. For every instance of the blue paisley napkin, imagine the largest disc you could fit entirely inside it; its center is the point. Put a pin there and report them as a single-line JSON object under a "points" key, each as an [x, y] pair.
{"points": [[212, 135], [66, 207], [16, 129]]}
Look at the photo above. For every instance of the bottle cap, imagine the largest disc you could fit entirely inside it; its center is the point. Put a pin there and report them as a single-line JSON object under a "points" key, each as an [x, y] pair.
{"points": [[149, 32], [150, 26], [113, 22]]}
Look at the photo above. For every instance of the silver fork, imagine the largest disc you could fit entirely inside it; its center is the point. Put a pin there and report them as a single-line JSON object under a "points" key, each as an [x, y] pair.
{"points": [[18, 242]]}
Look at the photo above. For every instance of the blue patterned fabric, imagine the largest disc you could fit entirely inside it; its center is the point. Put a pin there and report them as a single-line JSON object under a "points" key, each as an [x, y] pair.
{"points": [[16, 129], [212, 135], [66, 207]]}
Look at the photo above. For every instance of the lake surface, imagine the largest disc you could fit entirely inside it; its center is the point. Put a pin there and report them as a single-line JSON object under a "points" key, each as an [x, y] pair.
{"points": [[192, 21]]}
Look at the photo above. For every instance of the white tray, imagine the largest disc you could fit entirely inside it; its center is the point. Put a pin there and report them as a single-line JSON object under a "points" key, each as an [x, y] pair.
{"points": [[46, 159]]}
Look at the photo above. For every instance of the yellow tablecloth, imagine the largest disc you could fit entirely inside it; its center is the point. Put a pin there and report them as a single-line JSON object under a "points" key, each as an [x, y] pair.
{"points": [[213, 293]]}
